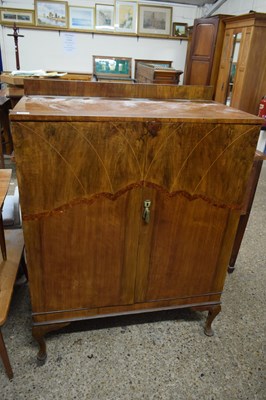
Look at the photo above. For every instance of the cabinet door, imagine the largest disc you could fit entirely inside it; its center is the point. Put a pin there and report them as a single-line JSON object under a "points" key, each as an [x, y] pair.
{"points": [[194, 181], [202, 51], [80, 196]]}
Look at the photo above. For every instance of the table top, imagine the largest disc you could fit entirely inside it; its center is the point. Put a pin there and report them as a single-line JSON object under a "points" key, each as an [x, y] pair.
{"points": [[60, 108], [5, 177]]}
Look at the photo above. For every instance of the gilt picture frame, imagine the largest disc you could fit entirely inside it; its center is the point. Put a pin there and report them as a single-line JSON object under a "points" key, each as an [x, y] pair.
{"points": [[126, 16], [51, 14], [9, 16], [180, 30], [81, 18], [104, 17], [154, 20]]}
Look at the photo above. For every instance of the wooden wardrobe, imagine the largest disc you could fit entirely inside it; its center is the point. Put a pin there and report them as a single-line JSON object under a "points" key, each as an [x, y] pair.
{"points": [[242, 73], [204, 51]]}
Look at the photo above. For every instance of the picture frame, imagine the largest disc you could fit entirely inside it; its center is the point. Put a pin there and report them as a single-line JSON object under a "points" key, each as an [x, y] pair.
{"points": [[51, 14], [105, 66], [154, 20], [104, 17], [180, 30], [81, 18], [126, 16], [9, 16]]}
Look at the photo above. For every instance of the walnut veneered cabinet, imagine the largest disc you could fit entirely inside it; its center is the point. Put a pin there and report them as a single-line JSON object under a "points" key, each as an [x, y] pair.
{"points": [[128, 205], [242, 74]]}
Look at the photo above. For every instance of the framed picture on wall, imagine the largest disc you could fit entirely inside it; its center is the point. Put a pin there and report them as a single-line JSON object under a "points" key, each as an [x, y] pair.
{"points": [[81, 18], [155, 20], [126, 16], [52, 14], [104, 17], [9, 16], [180, 29]]}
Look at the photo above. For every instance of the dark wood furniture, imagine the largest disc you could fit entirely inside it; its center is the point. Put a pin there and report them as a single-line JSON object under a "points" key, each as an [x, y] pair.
{"points": [[242, 73], [204, 52], [247, 205], [8, 273], [6, 145], [56, 87], [156, 73], [164, 63], [5, 176], [241, 84], [140, 207], [11, 248]]}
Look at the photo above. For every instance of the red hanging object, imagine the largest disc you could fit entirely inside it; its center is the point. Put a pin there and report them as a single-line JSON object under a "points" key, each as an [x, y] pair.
{"points": [[262, 110]]}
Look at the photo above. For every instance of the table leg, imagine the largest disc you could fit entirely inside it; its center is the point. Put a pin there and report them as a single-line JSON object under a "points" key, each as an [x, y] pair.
{"points": [[2, 237], [4, 356]]}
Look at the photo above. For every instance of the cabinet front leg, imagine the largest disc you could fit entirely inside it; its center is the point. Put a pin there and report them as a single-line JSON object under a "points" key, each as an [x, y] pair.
{"points": [[213, 312], [38, 333]]}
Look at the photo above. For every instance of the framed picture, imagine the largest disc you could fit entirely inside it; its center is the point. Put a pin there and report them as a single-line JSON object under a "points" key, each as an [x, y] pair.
{"points": [[51, 14], [81, 18], [21, 17], [126, 16], [104, 20], [180, 29], [111, 66], [155, 20]]}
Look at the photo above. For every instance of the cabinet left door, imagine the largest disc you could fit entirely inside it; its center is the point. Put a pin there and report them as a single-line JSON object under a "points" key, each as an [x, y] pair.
{"points": [[80, 208]]}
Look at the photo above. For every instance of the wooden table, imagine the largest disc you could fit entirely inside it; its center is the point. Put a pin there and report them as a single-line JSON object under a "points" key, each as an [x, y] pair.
{"points": [[8, 273], [5, 176], [8, 265]]}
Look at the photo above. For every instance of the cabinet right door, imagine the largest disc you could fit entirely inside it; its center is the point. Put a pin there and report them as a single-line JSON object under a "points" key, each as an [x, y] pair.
{"points": [[194, 182]]}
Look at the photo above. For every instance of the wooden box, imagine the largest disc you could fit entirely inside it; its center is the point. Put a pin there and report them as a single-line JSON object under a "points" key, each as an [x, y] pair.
{"points": [[156, 73]]}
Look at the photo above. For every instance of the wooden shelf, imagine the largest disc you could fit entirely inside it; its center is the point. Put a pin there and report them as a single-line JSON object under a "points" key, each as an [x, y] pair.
{"points": [[94, 32]]}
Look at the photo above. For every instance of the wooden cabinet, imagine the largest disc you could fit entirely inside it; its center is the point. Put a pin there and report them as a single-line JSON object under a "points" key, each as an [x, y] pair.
{"points": [[204, 53], [242, 74], [156, 73], [128, 205]]}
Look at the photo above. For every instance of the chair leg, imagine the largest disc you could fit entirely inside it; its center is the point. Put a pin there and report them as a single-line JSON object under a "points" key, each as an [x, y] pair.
{"points": [[4, 356]]}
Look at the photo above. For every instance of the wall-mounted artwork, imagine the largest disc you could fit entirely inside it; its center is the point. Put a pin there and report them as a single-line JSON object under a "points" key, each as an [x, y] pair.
{"points": [[52, 14], [104, 20], [81, 18], [126, 16], [155, 20], [9, 16]]}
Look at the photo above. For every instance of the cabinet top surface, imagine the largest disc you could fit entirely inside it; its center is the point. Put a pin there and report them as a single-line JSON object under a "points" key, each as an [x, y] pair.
{"points": [[99, 109]]}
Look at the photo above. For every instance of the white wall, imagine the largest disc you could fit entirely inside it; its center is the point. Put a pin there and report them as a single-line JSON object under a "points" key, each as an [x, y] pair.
{"points": [[238, 7], [40, 49]]}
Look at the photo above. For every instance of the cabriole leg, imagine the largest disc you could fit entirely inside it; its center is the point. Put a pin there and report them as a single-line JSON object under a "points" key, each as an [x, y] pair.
{"points": [[213, 312], [38, 332]]}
